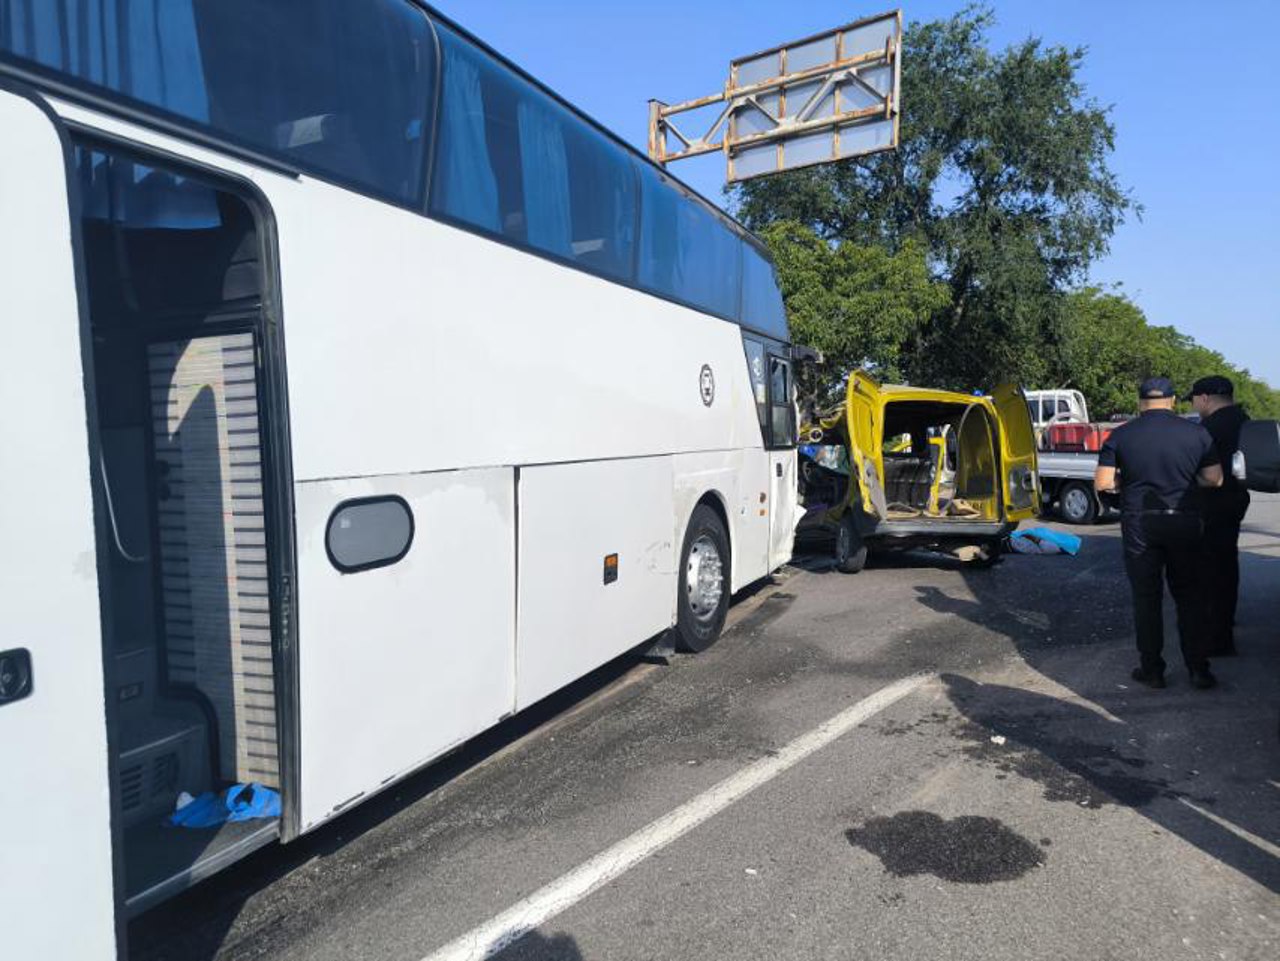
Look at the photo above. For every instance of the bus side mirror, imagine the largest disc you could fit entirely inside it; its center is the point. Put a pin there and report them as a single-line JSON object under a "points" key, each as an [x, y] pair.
{"points": [[805, 355]]}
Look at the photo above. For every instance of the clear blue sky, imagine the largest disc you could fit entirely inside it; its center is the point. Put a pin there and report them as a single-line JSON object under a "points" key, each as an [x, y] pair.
{"points": [[1195, 91]]}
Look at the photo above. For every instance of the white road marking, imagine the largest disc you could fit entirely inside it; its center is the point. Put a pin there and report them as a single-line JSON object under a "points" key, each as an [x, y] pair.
{"points": [[567, 890]]}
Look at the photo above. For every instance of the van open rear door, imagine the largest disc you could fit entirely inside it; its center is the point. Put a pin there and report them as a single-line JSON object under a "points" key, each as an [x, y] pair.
{"points": [[56, 869], [864, 414], [1021, 494]]}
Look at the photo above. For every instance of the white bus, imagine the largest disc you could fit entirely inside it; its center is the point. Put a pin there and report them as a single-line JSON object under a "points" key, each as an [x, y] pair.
{"points": [[358, 393]]}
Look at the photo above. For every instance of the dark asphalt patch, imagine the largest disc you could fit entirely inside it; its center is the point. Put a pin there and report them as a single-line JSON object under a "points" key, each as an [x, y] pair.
{"points": [[770, 609], [1072, 770], [964, 850], [536, 947], [1068, 750]]}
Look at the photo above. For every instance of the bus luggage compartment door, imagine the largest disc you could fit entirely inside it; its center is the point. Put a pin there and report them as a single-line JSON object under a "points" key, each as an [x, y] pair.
{"points": [[55, 830]]}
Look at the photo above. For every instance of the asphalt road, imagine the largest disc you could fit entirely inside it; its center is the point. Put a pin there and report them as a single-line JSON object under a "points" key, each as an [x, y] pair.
{"points": [[1023, 799]]}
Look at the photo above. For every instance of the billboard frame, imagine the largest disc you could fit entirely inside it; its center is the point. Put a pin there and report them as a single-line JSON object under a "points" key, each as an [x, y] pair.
{"points": [[723, 135]]}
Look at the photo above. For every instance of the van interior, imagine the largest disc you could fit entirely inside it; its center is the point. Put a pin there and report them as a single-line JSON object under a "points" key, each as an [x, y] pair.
{"points": [[940, 465], [175, 280]]}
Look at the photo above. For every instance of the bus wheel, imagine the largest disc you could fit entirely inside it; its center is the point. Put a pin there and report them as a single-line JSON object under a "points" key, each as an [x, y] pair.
{"points": [[704, 582], [1078, 504], [851, 552]]}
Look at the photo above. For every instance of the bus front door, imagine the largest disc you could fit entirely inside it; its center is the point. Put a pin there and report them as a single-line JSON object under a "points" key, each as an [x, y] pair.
{"points": [[56, 863]]}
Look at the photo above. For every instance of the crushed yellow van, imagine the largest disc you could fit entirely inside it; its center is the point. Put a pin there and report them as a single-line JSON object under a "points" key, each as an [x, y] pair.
{"points": [[897, 467]]}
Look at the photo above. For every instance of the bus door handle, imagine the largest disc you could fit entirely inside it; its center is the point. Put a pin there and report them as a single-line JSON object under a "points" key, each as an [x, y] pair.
{"points": [[777, 468], [15, 675]]}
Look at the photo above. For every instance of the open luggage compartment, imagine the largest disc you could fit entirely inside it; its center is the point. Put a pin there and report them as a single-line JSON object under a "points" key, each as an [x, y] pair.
{"points": [[176, 284]]}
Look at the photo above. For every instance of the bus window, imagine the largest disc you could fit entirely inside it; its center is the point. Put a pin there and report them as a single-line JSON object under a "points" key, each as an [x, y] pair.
{"points": [[687, 252], [365, 124], [782, 416], [513, 162], [762, 308], [759, 386]]}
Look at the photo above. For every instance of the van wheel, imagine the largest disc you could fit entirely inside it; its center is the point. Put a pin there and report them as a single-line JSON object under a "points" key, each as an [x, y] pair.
{"points": [[851, 552], [704, 582], [1078, 504]]}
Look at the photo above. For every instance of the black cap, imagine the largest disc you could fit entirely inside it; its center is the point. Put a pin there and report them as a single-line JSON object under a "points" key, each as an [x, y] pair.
{"points": [[1156, 388], [1215, 385]]}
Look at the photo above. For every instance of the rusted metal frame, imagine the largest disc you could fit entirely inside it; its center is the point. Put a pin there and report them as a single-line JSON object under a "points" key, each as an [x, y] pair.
{"points": [[836, 73], [851, 116], [883, 98], [897, 82], [783, 80], [698, 148], [822, 160], [657, 145], [780, 153], [835, 98], [838, 31]]}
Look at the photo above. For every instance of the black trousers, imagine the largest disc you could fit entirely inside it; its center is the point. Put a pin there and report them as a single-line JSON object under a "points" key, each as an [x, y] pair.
{"points": [[1224, 512], [1160, 546]]}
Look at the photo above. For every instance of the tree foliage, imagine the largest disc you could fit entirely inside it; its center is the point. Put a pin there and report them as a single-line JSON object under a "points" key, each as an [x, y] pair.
{"points": [[1001, 178], [956, 260], [861, 305], [1110, 349]]}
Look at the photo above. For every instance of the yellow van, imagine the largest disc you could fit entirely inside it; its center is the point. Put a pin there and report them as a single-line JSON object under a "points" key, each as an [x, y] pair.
{"points": [[897, 467]]}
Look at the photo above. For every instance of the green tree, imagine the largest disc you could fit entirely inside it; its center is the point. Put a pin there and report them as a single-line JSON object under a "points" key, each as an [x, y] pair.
{"points": [[859, 304], [1110, 348], [1001, 177]]}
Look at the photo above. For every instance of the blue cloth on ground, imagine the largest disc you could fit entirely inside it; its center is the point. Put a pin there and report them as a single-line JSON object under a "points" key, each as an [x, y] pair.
{"points": [[1066, 543], [241, 802]]}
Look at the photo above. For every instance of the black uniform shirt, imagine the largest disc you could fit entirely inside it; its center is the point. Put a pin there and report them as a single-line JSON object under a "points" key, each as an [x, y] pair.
{"points": [[1223, 426], [1158, 456]]}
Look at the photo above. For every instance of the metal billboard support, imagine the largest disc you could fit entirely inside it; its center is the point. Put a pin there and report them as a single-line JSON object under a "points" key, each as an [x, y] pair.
{"points": [[828, 97]]}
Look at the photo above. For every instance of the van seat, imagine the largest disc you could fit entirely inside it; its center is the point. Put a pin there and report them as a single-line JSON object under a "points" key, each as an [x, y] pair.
{"points": [[908, 479]]}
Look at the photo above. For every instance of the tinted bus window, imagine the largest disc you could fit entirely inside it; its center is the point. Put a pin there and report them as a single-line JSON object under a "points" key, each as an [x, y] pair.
{"points": [[762, 308], [512, 161], [686, 251], [337, 88]]}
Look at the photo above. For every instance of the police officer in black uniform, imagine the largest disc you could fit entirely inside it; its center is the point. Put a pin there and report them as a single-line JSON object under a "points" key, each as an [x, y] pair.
{"points": [[1224, 510], [1161, 462]]}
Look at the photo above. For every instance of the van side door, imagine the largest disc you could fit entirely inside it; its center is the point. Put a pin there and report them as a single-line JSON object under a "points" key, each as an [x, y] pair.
{"points": [[1021, 487], [864, 422]]}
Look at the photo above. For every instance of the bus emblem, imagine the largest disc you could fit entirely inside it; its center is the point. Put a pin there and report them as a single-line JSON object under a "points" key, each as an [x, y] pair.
{"points": [[707, 384]]}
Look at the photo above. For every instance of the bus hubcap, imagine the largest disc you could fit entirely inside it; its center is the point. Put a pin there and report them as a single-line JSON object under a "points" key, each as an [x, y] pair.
{"points": [[704, 580]]}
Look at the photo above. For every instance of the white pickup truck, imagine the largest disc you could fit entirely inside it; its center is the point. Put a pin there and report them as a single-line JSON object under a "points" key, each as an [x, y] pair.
{"points": [[1066, 480], [1066, 477]]}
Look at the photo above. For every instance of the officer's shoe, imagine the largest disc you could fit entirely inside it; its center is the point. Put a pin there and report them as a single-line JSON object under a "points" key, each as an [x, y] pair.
{"points": [[1203, 680], [1150, 678]]}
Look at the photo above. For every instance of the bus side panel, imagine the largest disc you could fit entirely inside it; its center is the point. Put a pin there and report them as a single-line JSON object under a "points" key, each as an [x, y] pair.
{"points": [[56, 880], [572, 617], [415, 346], [739, 479], [784, 506], [400, 663]]}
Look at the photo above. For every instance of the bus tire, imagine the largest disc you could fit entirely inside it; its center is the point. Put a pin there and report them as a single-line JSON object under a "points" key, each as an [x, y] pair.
{"points": [[1077, 503], [703, 597], [850, 551]]}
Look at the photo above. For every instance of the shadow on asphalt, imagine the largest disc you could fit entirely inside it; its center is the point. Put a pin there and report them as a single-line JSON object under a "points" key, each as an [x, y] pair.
{"points": [[167, 932], [534, 946], [1202, 765]]}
